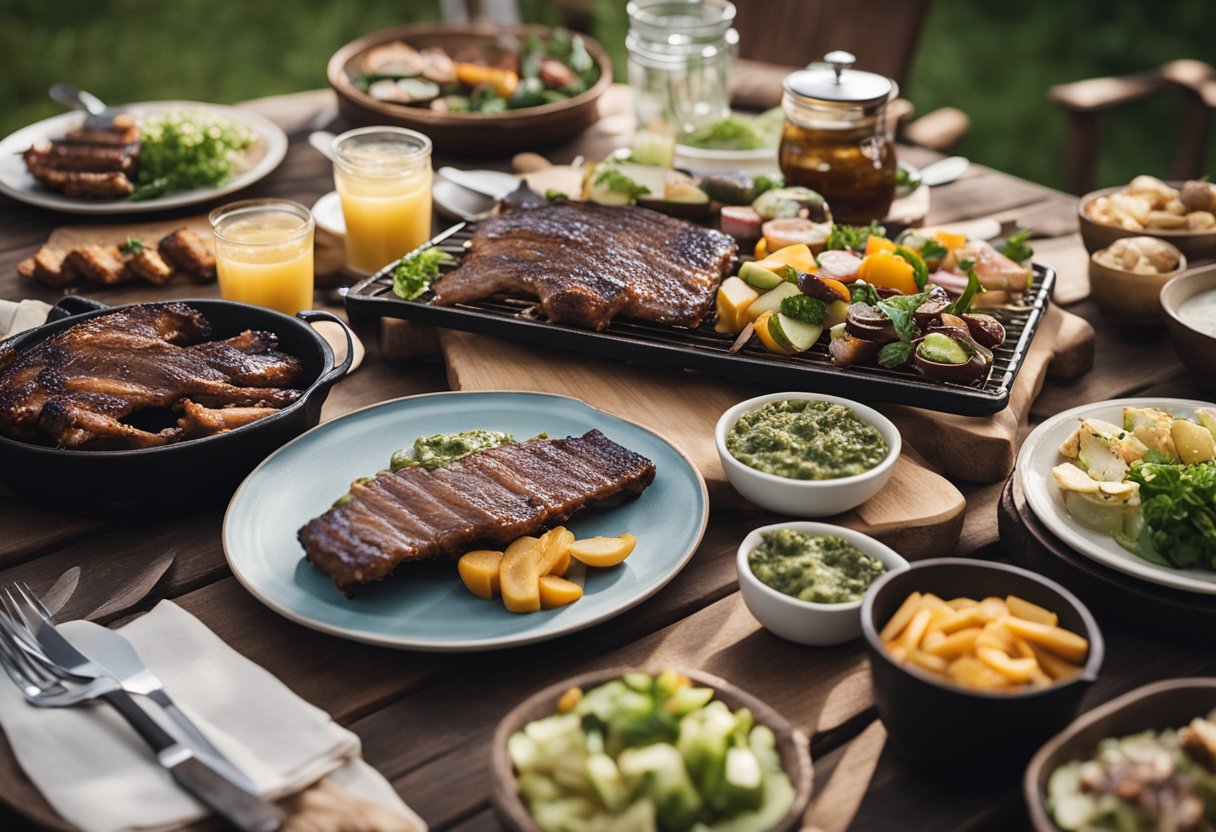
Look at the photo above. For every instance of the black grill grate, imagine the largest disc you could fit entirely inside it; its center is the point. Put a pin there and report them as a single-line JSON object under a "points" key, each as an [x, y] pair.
{"points": [[706, 350]]}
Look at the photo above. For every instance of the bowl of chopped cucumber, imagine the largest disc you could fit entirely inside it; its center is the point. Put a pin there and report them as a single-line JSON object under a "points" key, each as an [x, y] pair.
{"points": [[624, 750]]}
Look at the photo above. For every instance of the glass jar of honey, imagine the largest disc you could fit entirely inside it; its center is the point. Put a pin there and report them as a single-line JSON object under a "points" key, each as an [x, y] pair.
{"points": [[837, 139]]}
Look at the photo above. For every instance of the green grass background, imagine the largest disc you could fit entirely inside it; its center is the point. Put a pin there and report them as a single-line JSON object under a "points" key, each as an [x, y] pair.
{"points": [[994, 59]]}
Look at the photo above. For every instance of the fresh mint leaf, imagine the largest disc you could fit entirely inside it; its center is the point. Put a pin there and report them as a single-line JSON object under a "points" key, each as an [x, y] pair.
{"points": [[862, 292], [900, 309]]}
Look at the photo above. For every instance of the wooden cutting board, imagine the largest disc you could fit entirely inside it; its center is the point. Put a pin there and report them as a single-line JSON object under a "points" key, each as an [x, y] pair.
{"points": [[919, 512]]}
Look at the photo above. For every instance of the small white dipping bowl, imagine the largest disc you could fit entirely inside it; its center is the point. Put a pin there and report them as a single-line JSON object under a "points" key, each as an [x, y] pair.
{"points": [[804, 622], [807, 498]]}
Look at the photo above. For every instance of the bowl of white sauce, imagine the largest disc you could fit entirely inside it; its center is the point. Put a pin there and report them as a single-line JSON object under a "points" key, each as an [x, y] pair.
{"points": [[1189, 303]]}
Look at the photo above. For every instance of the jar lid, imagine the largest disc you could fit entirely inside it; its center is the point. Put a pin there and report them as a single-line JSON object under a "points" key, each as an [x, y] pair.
{"points": [[837, 82]]}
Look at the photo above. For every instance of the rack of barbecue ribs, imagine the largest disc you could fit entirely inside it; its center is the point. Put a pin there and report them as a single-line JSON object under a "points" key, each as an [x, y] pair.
{"points": [[90, 163], [82, 388], [588, 263], [488, 498]]}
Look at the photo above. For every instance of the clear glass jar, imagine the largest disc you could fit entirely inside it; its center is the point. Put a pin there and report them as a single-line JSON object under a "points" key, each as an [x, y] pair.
{"points": [[263, 253], [679, 63], [837, 139]]}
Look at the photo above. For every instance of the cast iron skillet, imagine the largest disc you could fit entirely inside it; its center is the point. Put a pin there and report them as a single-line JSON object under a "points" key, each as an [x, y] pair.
{"points": [[172, 479]]}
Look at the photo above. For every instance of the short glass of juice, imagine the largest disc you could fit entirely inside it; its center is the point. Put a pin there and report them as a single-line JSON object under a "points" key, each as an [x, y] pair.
{"points": [[383, 177], [263, 253]]}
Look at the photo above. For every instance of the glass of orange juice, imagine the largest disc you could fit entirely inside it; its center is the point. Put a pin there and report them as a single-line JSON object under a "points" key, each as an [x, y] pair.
{"points": [[263, 253], [383, 177]]}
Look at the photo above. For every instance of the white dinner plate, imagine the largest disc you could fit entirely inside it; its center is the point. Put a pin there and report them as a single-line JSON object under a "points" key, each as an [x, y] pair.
{"points": [[15, 181], [1041, 452], [424, 606]]}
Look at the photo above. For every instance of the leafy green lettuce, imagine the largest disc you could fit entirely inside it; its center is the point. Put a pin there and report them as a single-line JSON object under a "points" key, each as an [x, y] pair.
{"points": [[1178, 505]]}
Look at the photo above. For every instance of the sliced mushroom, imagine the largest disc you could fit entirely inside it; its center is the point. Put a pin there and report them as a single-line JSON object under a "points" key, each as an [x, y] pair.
{"points": [[870, 324], [985, 329]]}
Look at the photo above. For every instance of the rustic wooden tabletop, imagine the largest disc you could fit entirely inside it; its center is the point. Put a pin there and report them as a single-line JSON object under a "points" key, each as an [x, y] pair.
{"points": [[426, 719]]}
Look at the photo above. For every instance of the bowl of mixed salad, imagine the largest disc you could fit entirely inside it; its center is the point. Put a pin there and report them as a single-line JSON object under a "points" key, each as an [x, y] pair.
{"points": [[623, 750], [531, 85]]}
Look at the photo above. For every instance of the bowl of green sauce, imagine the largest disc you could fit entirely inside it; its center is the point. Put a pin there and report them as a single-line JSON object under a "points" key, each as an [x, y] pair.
{"points": [[806, 454], [805, 581]]}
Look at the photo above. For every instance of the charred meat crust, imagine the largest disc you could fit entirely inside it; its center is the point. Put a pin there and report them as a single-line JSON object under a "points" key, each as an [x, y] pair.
{"points": [[488, 498], [588, 263]]}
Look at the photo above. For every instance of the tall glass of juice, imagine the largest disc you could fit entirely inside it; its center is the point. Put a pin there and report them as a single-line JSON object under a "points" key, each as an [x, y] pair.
{"points": [[383, 177], [263, 253]]}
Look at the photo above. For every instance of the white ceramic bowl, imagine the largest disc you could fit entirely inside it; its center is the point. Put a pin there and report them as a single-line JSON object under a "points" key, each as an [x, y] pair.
{"points": [[752, 162], [804, 622], [807, 498]]}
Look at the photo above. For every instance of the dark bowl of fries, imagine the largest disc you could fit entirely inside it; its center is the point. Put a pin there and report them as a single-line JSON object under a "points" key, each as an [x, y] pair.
{"points": [[976, 661]]}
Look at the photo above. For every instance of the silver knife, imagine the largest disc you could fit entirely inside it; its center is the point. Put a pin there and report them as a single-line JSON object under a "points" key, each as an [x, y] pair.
{"points": [[115, 656]]}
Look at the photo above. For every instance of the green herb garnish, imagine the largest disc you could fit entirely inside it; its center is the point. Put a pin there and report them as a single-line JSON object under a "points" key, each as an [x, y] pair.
{"points": [[614, 180], [183, 150], [904, 179], [803, 308], [854, 236], [762, 183], [974, 287], [932, 250], [862, 292], [416, 272], [554, 195], [131, 247], [895, 354], [1178, 503], [920, 272], [900, 309], [1015, 247]]}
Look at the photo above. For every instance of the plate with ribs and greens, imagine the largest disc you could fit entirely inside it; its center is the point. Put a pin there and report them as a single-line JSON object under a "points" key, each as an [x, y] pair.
{"points": [[394, 511]]}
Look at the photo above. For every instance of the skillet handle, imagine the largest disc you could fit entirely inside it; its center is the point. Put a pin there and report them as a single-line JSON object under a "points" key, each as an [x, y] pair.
{"points": [[70, 305], [310, 315]]}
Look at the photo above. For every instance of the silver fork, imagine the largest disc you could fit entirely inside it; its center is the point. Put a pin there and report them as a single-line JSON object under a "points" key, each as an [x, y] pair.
{"points": [[44, 684], [115, 659]]}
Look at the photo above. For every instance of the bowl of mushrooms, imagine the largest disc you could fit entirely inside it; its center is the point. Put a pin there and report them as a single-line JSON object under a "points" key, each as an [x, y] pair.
{"points": [[1181, 213], [1126, 278]]}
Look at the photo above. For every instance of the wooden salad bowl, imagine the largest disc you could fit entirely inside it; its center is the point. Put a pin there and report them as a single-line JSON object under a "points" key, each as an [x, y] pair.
{"points": [[792, 744], [481, 134], [1169, 704]]}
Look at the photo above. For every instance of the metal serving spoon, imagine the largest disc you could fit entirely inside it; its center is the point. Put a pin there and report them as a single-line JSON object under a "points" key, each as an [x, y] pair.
{"points": [[99, 116]]}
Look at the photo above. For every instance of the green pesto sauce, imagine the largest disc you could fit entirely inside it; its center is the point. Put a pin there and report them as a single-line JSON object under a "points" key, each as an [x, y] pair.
{"points": [[824, 570], [433, 452], [806, 440]]}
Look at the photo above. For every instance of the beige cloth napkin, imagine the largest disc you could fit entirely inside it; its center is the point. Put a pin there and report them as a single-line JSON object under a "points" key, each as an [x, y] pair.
{"points": [[99, 775], [19, 315]]}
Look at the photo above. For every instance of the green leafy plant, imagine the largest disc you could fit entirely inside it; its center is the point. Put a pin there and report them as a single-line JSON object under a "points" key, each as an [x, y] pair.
{"points": [[1178, 504], [962, 304], [1015, 247]]}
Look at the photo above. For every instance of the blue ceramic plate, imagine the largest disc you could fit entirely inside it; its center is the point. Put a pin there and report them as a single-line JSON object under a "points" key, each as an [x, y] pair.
{"points": [[424, 606]]}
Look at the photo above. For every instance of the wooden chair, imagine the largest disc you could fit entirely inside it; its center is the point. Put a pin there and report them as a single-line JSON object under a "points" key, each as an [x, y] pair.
{"points": [[1086, 100]]}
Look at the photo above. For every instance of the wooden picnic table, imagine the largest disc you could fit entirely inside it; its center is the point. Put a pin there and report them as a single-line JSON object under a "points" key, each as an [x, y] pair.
{"points": [[426, 719]]}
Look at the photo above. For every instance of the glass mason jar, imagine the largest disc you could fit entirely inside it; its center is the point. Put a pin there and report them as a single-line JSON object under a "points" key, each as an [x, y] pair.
{"points": [[837, 139], [263, 253], [679, 65], [383, 178]]}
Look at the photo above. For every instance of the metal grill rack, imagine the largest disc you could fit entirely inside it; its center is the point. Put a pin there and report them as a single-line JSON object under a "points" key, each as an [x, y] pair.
{"points": [[709, 351]]}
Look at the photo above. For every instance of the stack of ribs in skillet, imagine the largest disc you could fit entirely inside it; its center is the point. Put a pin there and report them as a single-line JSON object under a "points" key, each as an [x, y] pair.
{"points": [[92, 163], [488, 499]]}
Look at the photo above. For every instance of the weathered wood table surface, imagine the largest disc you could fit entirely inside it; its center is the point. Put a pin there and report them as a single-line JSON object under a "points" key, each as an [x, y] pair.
{"points": [[426, 719]]}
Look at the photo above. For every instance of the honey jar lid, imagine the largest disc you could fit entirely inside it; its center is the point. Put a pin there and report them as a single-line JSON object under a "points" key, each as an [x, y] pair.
{"points": [[835, 81]]}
